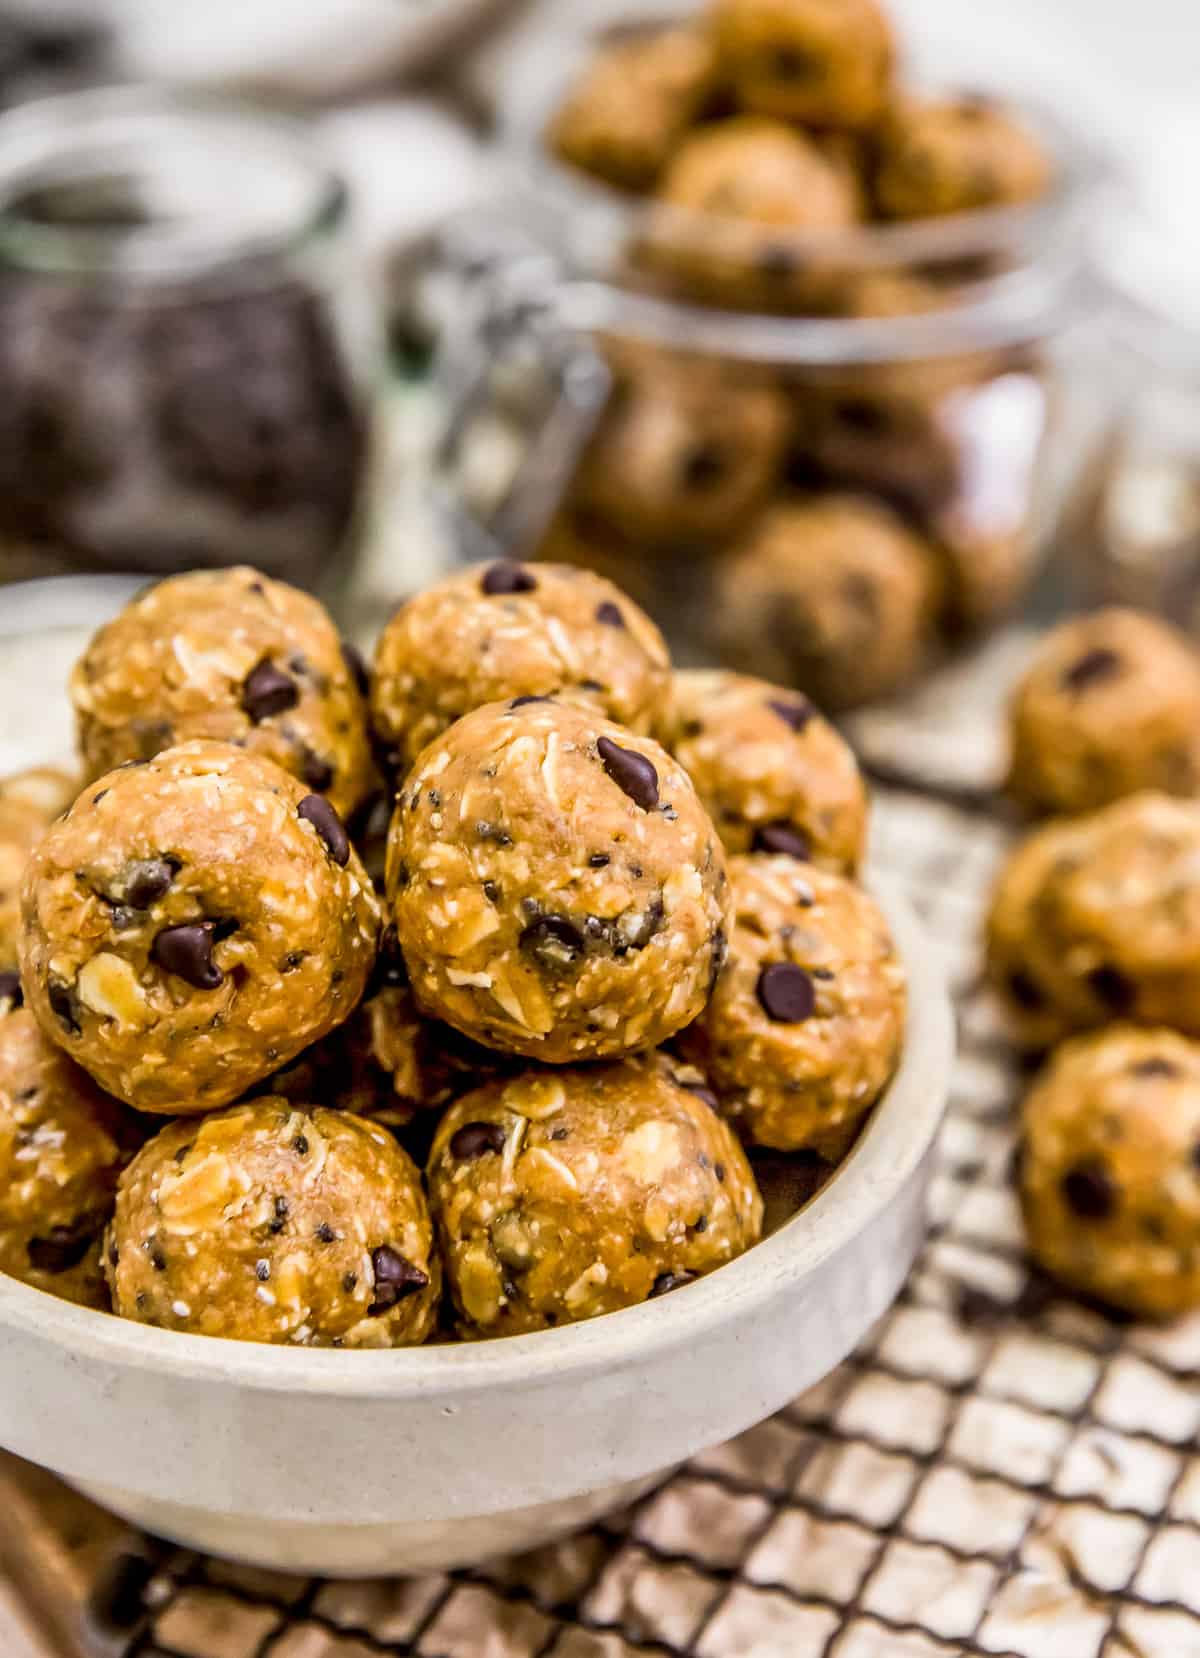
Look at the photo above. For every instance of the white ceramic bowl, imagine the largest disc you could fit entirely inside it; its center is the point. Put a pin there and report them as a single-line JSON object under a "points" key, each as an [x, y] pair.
{"points": [[360, 1463]]}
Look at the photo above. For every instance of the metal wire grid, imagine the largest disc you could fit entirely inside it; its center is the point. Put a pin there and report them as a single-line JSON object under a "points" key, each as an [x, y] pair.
{"points": [[997, 1471]]}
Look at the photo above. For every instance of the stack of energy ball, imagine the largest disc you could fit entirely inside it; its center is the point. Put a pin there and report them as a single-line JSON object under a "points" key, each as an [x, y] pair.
{"points": [[597, 969], [851, 512], [1095, 927]]}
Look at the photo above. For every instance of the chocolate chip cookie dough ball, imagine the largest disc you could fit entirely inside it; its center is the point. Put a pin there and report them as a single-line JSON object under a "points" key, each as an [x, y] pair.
{"points": [[826, 63], [771, 772], [561, 1195], [62, 1146], [1110, 1169], [193, 923], [1098, 918], [805, 1026], [278, 1223], [234, 656], [956, 155], [557, 888], [1109, 705], [625, 112], [29, 803], [686, 447], [511, 630], [833, 595]]}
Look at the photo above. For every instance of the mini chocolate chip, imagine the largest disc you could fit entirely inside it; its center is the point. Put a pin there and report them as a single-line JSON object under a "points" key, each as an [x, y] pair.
{"points": [[317, 773], [435, 798], [631, 772], [62, 1248], [599, 860], [117, 1601], [1154, 1067], [157, 1259], [610, 614], [668, 1281], [719, 1171], [62, 1005], [786, 993], [1113, 988], [796, 714], [1089, 1192], [474, 1140], [315, 809], [268, 691], [701, 1225], [300, 1145], [123, 919], [325, 1233], [1024, 991], [559, 1133], [590, 685], [350, 1282], [262, 1271], [279, 1219], [10, 988], [491, 891], [186, 951], [507, 577], [148, 881], [357, 668], [1092, 668], [554, 942], [524, 702], [781, 838], [395, 1278]]}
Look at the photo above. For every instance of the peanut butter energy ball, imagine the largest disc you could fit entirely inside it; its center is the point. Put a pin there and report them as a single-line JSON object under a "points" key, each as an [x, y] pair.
{"points": [[231, 655], [1110, 1169], [805, 1026], [193, 923], [1098, 918], [509, 630], [29, 803], [826, 63], [1109, 705], [62, 1145], [560, 1195], [557, 888], [772, 773], [956, 155], [279, 1223]]}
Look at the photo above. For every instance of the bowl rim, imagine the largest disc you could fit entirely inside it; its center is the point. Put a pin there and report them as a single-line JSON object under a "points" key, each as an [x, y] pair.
{"points": [[877, 1170]]}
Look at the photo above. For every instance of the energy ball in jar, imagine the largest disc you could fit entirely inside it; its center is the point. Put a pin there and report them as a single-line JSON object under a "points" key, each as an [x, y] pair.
{"points": [[1098, 918], [193, 923], [62, 1145], [1110, 1169], [686, 447], [234, 656], [770, 770], [805, 1026], [956, 155], [825, 63], [277, 1223], [630, 106], [834, 595], [29, 803], [561, 1195], [512, 630], [558, 890], [1110, 705]]}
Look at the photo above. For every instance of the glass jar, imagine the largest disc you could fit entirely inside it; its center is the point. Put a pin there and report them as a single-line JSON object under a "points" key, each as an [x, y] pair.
{"points": [[824, 457], [185, 346]]}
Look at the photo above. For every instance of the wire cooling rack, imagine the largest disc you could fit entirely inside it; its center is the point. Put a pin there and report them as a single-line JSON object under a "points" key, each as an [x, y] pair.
{"points": [[998, 1470]]}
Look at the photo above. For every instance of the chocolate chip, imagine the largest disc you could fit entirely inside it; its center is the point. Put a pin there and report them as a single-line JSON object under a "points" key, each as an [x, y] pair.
{"points": [[610, 614], [631, 772], [325, 1233], [1088, 1191], [704, 466], [599, 860], [10, 988], [117, 1602], [507, 577], [786, 993], [63, 1247], [1091, 669], [350, 1282], [1024, 991], [262, 1271], [781, 838], [719, 1171], [668, 1281], [317, 773], [524, 702], [279, 1219], [1154, 1067], [300, 1145], [186, 951], [701, 1225], [796, 714], [395, 1278], [554, 942], [315, 809], [474, 1140], [267, 691], [1113, 989], [356, 667], [148, 881], [63, 1006]]}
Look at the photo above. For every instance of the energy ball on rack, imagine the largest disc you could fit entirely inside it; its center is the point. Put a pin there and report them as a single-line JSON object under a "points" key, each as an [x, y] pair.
{"points": [[233, 656], [826, 63], [686, 447], [62, 1146], [29, 803], [956, 155], [626, 111], [561, 1195], [1109, 705], [278, 1223], [557, 888], [512, 630], [1110, 1169], [833, 595], [1098, 918], [770, 770], [805, 1026], [193, 923]]}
